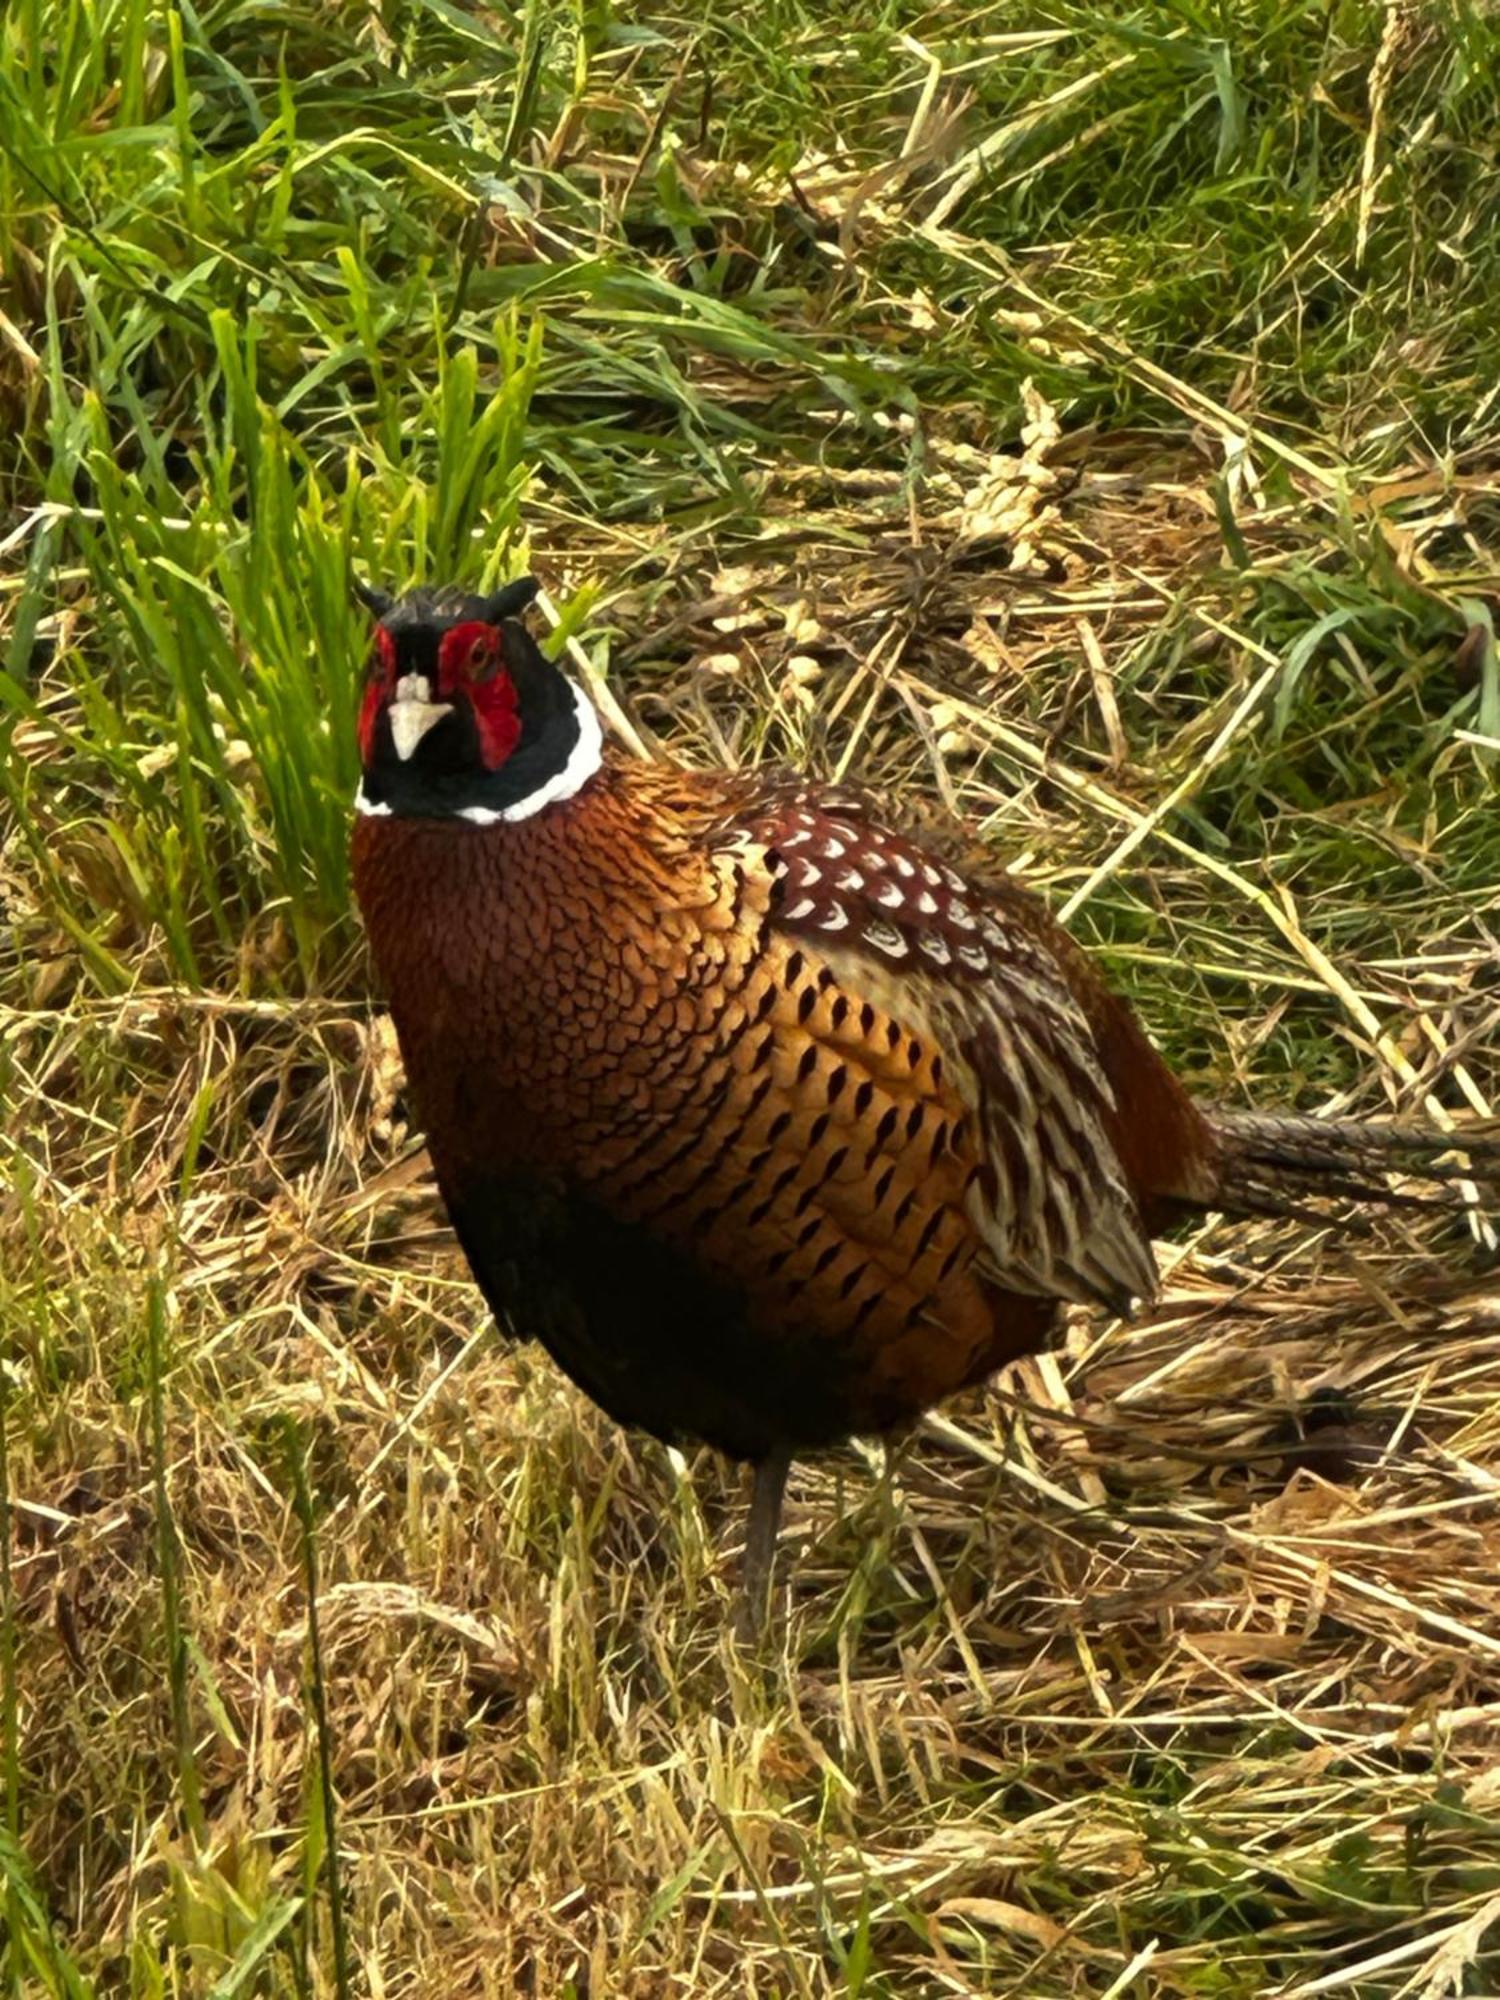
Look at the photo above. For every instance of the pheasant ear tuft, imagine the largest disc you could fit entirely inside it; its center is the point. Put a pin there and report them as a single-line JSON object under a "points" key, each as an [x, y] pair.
{"points": [[509, 599], [376, 602]]}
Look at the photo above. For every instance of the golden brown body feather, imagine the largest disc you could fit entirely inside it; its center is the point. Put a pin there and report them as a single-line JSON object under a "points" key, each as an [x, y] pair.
{"points": [[768, 1121], [620, 1016]]}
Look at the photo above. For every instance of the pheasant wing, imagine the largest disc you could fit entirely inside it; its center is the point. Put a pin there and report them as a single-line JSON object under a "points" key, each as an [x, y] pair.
{"points": [[972, 969]]}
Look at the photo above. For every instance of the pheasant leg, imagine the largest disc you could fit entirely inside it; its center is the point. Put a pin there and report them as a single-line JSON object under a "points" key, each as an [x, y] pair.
{"points": [[760, 1544]]}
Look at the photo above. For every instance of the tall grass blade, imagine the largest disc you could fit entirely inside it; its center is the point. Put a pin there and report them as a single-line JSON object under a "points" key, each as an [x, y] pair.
{"points": [[322, 1831]]}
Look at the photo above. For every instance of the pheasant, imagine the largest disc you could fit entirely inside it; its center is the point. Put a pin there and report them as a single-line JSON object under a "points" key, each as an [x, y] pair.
{"points": [[771, 1125]]}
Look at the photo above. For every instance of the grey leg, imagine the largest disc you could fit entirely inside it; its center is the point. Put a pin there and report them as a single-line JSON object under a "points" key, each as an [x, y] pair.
{"points": [[760, 1544]]}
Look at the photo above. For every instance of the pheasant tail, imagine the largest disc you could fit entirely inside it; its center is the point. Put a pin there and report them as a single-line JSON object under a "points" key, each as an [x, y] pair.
{"points": [[1268, 1163]]}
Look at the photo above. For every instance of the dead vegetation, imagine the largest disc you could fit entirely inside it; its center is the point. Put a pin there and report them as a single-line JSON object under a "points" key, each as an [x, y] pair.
{"points": [[1175, 1651], [1035, 449]]}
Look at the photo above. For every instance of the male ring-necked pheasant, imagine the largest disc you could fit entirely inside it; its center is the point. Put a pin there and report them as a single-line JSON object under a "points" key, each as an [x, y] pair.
{"points": [[770, 1124]]}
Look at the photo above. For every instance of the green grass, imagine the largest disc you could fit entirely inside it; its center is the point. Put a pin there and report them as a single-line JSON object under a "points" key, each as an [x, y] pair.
{"points": [[734, 325]]}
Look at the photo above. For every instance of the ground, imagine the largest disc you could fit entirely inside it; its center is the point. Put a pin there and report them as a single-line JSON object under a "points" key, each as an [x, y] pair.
{"points": [[1081, 417]]}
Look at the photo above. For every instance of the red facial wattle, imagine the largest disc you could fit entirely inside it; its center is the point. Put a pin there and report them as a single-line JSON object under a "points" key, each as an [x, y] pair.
{"points": [[497, 719], [471, 668], [380, 688]]}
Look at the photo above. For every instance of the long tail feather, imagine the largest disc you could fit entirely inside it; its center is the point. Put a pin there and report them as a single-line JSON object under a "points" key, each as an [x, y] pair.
{"points": [[1269, 1164]]}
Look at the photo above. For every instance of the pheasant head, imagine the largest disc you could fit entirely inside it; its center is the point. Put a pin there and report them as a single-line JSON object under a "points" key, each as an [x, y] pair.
{"points": [[463, 717]]}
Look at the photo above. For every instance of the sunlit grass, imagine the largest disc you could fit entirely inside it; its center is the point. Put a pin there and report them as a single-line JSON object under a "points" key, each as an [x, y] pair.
{"points": [[341, 1647]]}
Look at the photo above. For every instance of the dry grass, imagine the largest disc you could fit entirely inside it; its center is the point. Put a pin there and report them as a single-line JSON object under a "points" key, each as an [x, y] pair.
{"points": [[1168, 1665], [1083, 423]]}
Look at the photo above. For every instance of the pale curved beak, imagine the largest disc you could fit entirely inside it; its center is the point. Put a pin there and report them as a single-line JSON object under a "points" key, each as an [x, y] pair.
{"points": [[413, 712]]}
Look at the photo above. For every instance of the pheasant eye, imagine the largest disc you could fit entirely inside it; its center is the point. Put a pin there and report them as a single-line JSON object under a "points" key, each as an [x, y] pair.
{"points": [[482, 657]]}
